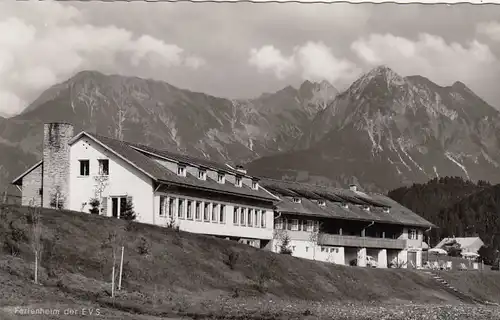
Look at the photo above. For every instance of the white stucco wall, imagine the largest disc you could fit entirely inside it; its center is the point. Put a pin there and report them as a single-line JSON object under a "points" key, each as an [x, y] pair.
{"points": [[412, 243], [228, 228], [123, 180]]}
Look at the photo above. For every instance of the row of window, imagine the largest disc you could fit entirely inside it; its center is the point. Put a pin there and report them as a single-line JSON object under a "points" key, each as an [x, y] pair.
{"points": [[296, 225], [249, 217], [189, 209], [221, 177], [103, 167]]}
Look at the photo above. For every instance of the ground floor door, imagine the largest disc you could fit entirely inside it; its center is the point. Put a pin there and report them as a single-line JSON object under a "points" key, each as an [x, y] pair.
{"points": [[412, 260], [118, 205]]}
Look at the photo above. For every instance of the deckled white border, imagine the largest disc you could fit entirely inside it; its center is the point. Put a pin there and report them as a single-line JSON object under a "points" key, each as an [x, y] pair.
{"points": [[304, 1]]}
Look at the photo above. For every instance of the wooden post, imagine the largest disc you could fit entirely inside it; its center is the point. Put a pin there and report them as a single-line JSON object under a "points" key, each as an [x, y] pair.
{"points": [[36, 266], [121, 269], [113, 276]]}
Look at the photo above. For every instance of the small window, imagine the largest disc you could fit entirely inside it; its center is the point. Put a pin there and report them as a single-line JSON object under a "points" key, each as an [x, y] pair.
{"points": [[236, 215], [197, 214], [323, 249], [103, 167], [296, 200], [206, 212], [412, 234], [190, 209], [345, 205], [180, 208], [321, 203], [255, 185], [222, 215], [202, 174], [221, 177], [162, 206], [279, 224], [307, 249], [84, 167], [256, 220], [215, 212], [309, 226], [181, 170], [263, 219], [238, 182], [171, 207], [249, 220], [242, 216]]}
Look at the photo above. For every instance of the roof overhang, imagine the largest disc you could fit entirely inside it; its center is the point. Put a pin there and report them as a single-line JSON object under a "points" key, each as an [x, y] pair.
{"points": [[165, 182], [19, 180]]}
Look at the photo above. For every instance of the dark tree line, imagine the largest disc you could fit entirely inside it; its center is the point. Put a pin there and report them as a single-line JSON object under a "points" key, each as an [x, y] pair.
{"points": [[458, 207]]}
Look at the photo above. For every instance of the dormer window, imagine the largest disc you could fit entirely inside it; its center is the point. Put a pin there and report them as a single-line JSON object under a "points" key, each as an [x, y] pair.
{"points": [[386, 210], [366, 208], [202, 174], [321, 203], [221, 177], [255, 185], [238, 181], [181, 170], [297, 200], [345, 206]]}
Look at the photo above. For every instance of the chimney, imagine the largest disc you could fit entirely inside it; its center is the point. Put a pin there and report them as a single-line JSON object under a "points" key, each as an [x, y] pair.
{"points": [[241, 169], [353, 187], [55, 179]]}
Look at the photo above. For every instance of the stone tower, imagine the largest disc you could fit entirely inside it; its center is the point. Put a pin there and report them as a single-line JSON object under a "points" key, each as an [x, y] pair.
{"points": [[55, 181]]}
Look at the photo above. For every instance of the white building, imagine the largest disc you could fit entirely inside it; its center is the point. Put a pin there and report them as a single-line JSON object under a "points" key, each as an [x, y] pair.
{"points": [[345, 226], [202, 196], [198, 195], [467, 244]]}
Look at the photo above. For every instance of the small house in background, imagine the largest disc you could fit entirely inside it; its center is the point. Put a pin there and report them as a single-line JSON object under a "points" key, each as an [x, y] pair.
{"points": [[467, 244]]}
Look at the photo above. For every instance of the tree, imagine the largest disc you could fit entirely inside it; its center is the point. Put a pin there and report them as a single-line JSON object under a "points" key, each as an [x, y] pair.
{"points": [[128, 212], [94, 204], [314, 238], [285, 245], [36, 237], [101, 182], [487, 254]]}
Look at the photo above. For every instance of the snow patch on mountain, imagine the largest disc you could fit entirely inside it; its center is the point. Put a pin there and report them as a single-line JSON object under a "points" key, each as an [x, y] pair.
{"points": [[450, 156]]}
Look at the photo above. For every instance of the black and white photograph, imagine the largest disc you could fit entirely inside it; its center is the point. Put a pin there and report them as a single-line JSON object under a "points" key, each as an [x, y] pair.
{"points": [[249, 161]]}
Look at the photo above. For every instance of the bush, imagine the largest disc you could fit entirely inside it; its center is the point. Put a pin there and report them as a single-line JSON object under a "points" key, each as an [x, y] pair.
{"points": [[94, 204], [231, 258], [144, 247], [13, 237]]}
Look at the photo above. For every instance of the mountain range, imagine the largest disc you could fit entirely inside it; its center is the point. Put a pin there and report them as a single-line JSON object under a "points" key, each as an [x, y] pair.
{"points": [[384, 131]]}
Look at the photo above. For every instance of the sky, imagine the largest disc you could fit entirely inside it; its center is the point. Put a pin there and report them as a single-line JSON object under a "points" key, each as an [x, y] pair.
{"points": [[243, 50]]}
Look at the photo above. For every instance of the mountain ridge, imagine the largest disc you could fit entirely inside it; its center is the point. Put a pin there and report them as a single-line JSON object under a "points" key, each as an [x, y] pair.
{"points": [[383, 131], [398, 129], [156, 113]]}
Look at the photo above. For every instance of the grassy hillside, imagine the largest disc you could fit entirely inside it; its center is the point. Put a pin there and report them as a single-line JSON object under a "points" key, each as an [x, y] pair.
{"points": [[172, 273]]}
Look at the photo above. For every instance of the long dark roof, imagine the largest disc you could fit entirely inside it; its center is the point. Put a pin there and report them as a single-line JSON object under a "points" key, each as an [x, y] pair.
{"points": [[335, 199], [160, 173]]}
